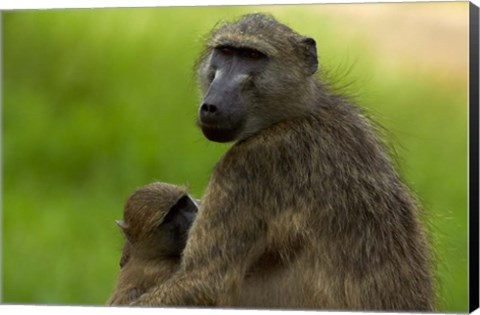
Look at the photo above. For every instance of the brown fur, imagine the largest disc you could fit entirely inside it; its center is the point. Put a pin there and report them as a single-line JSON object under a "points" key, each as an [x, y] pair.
{"points": [[147, 258], [305, 210]]}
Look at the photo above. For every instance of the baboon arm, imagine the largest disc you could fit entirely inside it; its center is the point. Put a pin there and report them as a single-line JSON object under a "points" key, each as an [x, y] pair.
{"points": [[221, 247], [228, 235]]}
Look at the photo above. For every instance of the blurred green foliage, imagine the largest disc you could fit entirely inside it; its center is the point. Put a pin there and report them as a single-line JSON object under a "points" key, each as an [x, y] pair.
{"points": [[99, 102]]}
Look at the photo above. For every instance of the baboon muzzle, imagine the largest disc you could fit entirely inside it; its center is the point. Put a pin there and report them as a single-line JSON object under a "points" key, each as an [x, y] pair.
{"points": [[222, 113]]}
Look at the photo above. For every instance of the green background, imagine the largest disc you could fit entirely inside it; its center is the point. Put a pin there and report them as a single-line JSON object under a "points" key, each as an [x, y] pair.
{"points": [[99, 102]]}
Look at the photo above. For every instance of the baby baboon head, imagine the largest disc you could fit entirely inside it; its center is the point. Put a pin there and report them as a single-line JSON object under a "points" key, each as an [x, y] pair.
{"points": [[157, 218]]}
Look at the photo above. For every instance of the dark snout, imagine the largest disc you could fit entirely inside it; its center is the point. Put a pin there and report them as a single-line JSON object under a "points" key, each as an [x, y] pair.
{"points": [[222, 112], [210, 113]]}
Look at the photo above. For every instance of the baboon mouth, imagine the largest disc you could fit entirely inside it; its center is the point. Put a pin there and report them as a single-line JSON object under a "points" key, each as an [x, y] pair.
{"points": [[219, 133]]}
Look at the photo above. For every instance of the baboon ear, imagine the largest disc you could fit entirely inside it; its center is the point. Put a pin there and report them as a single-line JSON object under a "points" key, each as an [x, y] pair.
{"points": [[310, 53], [121, 225], [124, 228]]}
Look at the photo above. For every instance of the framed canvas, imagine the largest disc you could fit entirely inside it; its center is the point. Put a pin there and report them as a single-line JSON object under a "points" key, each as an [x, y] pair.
{"points": [[99, 102]]}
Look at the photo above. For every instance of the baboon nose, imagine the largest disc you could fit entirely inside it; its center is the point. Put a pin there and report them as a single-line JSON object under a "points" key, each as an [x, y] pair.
{"points": [[208, 108], [209, 113]]}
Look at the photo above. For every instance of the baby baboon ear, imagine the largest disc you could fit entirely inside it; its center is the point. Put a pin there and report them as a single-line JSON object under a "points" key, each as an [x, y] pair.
{"points": [[310, 53], [121, 225], [124, 228]]}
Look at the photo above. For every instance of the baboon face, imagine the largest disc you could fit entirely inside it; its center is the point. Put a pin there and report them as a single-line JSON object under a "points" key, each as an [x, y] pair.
{"points": [[249, 68], [223, 112], [160, 238]]}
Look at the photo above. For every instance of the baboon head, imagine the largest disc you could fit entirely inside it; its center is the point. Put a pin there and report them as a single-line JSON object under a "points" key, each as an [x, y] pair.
{"points": [[157, 218], [249, 72]]}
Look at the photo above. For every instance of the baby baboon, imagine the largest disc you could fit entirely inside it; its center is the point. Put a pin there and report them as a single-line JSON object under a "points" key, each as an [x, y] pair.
{"points": [[306, 202], [156, 221]]}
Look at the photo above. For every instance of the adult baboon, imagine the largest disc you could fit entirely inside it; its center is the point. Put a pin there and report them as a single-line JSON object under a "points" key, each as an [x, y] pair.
{"points": [[156, 221], [306, 200]]}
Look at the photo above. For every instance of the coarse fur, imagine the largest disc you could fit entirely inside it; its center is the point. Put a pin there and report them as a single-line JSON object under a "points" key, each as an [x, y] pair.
{"points": [[305, 211], [156, 222]]}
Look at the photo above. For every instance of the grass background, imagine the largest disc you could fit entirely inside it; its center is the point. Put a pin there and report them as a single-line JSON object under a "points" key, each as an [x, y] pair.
{"points": [[99, 102]]}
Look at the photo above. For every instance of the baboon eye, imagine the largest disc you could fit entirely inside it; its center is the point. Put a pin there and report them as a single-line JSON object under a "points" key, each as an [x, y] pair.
{"points": [[123, 261], [211, 76], [253, 54], [226, 51]]}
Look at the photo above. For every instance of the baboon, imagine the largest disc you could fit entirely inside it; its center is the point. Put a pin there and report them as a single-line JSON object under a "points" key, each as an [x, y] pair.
{"points": [[156, 221], [306, 201]]}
